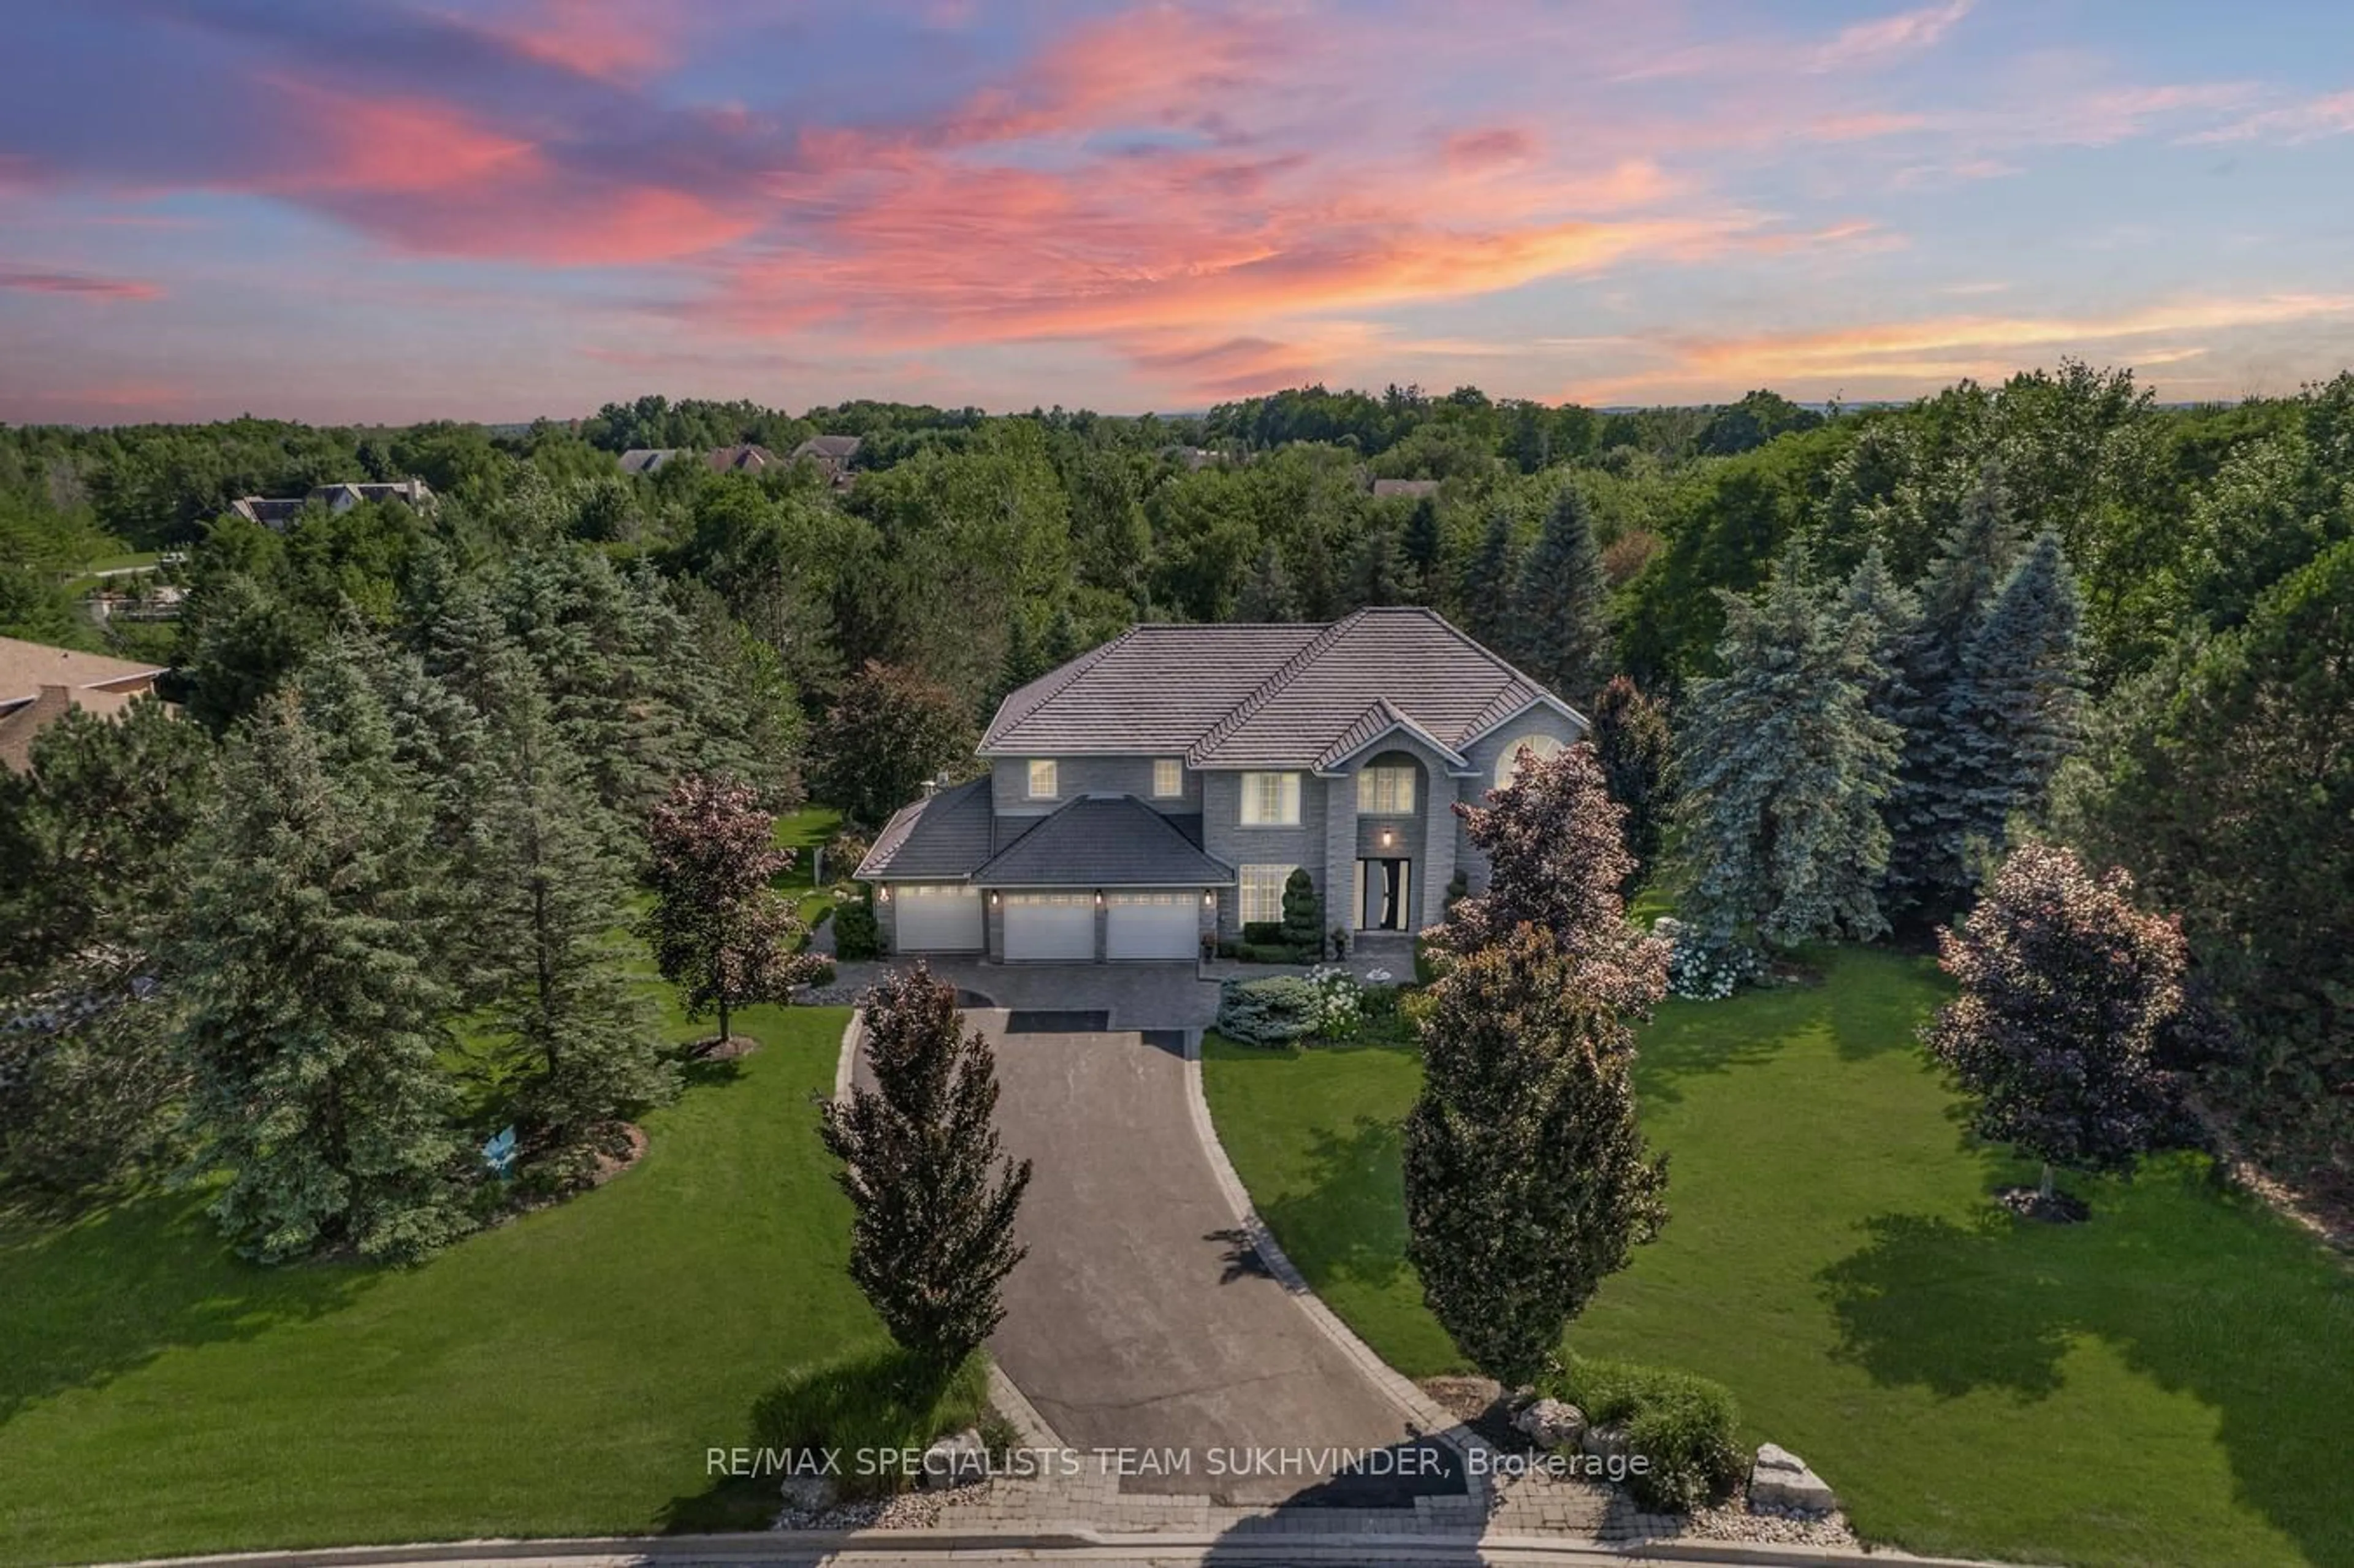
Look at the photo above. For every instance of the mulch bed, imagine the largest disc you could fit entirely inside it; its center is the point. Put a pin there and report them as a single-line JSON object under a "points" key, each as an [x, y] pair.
{"points": [[611, 1162], [726, 1049], [1478, 1403]]}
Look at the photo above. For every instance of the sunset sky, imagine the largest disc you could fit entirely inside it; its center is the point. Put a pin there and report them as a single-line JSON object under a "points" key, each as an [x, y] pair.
{"points": [[346, 210]]}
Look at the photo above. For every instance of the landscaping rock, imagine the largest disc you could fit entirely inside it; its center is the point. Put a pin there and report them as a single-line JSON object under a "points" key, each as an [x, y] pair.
{"points": [[1606, 1442], [956, 1460], [808, 1494], [1780, 1479], [1550, 1423]]}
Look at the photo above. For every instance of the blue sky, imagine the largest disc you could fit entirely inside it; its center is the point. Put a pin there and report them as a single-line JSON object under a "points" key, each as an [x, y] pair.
{"points": [[386, 210]]}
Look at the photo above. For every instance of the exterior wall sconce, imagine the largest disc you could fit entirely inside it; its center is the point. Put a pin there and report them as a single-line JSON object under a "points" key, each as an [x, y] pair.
{"points": [[882, 894], [992, 899], [1209, 901], [1388, 838], [1098, 900]]}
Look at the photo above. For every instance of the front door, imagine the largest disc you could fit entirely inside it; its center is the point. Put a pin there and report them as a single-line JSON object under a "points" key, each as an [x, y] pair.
{"points": [[1385, 884]]}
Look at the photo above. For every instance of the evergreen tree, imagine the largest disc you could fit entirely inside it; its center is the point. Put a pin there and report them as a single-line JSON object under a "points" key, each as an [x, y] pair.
{"points": [[1560, 630], [2020, 695], [1022, 665], [1927, 809], [1486, 587], [1886, 612], [1632, 745], [934, 1195], [1374, 575], [317, 1017], [542, 887], [1526, 1178], [1303, 913], [1062, 645], [1267, 596], [719, 929], [1784, 768], [1423, 543]]}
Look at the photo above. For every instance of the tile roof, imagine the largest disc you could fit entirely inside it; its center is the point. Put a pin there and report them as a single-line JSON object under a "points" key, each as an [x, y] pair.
{"points": [[1104, 840], [943, 835], [1291, 696]]}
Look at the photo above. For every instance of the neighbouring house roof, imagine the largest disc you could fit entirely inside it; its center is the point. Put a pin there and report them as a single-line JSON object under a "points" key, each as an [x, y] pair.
{"points": [[646, 460], [1271, 696], [943, 835], [267, 512], [27, 667], [1414, 488], [840, 448], [277, 511], [1105, 840], [747, 459], [39, 684]]}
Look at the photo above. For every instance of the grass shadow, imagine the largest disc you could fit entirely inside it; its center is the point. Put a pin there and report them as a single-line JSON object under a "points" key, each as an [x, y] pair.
{"points": [[1349, 1211], [88, 1300]]}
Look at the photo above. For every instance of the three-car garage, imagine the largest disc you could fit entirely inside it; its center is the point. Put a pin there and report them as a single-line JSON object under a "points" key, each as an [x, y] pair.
{"points": [[1050, 926]]}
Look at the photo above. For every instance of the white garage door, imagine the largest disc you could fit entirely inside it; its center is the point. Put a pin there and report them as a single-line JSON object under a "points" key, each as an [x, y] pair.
{"points": [[1050, 926], [936, 917], [1152, 925]]}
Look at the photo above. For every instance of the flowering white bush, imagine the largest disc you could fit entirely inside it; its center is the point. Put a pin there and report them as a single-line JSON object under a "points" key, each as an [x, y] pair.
{"points": [[1699, 972], [1339, 1002]]}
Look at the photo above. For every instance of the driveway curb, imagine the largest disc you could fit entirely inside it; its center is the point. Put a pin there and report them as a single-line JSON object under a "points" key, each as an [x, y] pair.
{"points": [[1418, 1408]]}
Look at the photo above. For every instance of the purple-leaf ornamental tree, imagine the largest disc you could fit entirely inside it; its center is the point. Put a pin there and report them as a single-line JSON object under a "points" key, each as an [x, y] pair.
{"points": [[719, 930], [2067, 989]]}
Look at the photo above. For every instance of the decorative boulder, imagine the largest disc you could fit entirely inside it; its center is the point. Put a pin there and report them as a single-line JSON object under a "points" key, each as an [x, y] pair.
{"points": [[1781, 1479], [1606, 1442], [1550, 1423], [808, 1494], [956, 1460]]}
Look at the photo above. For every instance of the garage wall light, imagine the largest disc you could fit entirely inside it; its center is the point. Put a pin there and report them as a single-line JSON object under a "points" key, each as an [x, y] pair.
{"points": [[992, 899], [884, 895], [1209, 901], [1098, 900]]}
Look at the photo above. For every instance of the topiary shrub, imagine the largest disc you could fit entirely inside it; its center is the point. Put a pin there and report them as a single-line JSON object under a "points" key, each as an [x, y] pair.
{"points": [[858, 934], [1275, 1010], [1263, 933], [1272, 953], [1303, 913], [1682, 1425]]}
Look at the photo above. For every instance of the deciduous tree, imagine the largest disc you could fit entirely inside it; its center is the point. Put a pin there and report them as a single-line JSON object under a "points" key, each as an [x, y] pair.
{"points": [[720, 930], [935, 1195], [2066, 993], [891, 732]]}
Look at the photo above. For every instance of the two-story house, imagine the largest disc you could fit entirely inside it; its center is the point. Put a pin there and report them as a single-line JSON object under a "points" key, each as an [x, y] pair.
{"points": [[1166, 785]]}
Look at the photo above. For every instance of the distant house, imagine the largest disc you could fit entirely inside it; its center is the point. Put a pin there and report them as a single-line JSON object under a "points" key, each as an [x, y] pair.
{"points": [[276, 511], [648, 460], [746, 459], [1410, 489], [833, 456], [39, 684], [1195, 458]]}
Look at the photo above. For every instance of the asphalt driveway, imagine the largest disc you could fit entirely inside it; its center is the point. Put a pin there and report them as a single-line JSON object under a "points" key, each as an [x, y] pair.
{"points": [[1141, 1319]]}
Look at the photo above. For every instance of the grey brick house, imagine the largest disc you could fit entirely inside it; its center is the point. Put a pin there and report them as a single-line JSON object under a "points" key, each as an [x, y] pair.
{"points": [[1165, 785]]}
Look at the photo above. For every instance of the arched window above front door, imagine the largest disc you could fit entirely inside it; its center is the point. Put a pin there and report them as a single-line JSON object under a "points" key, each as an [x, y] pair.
{"points": [[1508, 762]]}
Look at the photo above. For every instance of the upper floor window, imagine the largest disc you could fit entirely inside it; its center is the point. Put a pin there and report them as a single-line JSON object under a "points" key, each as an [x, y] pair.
{"points": [[1270, 800], [1385, 791], [1508, 762], [1041, 779], [1168, 778]]}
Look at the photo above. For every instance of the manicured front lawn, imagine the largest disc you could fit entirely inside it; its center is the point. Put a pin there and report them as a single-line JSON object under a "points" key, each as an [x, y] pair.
{"points": [[802, 831], [562, 1374], [2167, 1385]]}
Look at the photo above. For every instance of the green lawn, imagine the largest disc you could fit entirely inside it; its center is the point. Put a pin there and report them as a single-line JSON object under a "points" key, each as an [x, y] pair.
{"points": [[562, 1374], [2170, 1384], [801, 831]]}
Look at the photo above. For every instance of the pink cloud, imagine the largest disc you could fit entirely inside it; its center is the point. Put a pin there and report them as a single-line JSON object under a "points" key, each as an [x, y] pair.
{"points": [[1499, 145], [78, 285], [1907, 32]]}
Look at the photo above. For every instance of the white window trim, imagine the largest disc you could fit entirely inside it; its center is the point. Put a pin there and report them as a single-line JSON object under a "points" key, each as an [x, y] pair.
{"points": [[1405, 787], [1266, 879], [1053, 778], [1286, 794]]}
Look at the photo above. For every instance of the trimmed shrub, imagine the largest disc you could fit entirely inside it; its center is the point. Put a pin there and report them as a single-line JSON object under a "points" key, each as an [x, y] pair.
{"points": [[1263, 933], [1303, 913], [858, 934], [1682, 1425], [1271, 953], [822, 974], [876, 1401], [1276, 1011]]}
